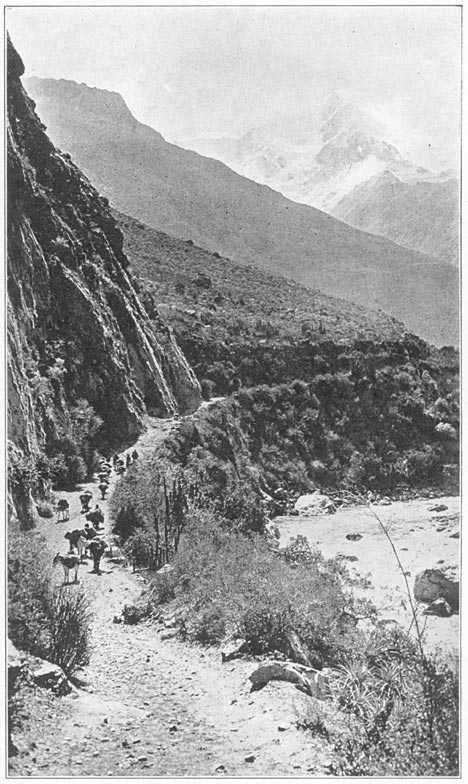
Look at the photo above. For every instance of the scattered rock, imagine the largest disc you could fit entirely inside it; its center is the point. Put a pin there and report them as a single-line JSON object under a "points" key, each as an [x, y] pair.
{"points": [[438, 508], [432, 584], [385, 502], [440, 607], [166, 569], [455, 535], [351, 558], [173, 728], [353, 537], [142, 758], [284, 726], [169, 633], [250, 758], [220, 769], [51, 676], [233, 648], [309, 680], [314, 504]]}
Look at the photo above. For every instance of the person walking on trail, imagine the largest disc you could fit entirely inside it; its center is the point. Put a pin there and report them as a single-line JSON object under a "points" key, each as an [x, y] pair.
{"points": [[97, 548], [103, 487], [128, 459], [90, 531], [115, 458], [84, 501], [135, 455]]}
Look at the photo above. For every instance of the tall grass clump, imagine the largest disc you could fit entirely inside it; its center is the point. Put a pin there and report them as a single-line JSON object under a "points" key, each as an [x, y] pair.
{"points": [[53, 624]]}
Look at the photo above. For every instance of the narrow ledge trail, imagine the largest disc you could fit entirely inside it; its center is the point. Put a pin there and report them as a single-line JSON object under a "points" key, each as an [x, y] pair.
{"points": [[154, 707]]}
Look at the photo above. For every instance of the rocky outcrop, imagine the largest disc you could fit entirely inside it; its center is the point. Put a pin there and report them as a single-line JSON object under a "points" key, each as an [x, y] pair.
{"points": [[76, 328]]}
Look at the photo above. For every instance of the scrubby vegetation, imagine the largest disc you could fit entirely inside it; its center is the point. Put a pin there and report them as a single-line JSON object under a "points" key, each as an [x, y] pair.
{"points": [[53, 624]]}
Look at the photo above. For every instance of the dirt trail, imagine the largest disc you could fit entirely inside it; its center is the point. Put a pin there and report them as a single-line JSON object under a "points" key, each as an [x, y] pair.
{"points": [[155, 707]]}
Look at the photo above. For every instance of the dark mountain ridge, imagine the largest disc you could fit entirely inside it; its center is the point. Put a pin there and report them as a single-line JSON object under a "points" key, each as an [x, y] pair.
{"points": [[85, 361], [189, 196]]}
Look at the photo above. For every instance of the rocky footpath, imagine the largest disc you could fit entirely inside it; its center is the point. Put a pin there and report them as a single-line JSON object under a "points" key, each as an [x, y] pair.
{"points": [[149, 705]]}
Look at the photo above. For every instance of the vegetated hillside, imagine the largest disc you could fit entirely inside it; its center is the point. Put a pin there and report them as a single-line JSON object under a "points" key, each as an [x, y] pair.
{"points": [[338, 160], [239, 316], [186, 195], [419, 212], [85, 361], [327, 393]]}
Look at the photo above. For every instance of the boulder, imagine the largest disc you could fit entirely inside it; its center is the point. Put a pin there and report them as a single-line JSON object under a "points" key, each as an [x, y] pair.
{"points": [[354, 537], [51, 676], [16, 660], [314, 504], [438, 508], [440, 607], [433, 584], [166, 569], [312, 682], [233, 648]]}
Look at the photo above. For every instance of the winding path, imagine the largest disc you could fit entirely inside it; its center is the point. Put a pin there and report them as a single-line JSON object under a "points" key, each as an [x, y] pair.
{"points": [[157, 707]]}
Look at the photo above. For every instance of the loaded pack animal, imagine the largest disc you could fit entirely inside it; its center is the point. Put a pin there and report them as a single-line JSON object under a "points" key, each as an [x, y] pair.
{"points": [[63, 510], [78, 539], [70, 563]]}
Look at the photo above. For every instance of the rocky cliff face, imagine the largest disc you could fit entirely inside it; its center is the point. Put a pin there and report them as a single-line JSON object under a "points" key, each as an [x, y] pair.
{"points": [[78, 335]]}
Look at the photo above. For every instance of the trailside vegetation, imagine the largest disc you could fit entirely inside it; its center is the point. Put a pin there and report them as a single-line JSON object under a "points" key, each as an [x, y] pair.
{"points": [[52, 623]]}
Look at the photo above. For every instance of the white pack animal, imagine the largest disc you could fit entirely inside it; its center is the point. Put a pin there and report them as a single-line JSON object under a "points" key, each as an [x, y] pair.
{"points": [[69, 563]]}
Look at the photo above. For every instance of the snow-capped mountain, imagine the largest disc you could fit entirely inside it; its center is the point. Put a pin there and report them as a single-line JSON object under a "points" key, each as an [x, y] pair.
{"points": [[338, 160]]}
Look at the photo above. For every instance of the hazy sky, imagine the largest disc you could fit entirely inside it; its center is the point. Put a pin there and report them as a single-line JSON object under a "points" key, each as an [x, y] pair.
{"points": [[195, 71]]}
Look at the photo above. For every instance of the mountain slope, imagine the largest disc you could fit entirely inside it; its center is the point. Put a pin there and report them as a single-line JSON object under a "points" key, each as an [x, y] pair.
{"points": [[419, 212], [85, 361], [338, 160], [188, 196]]}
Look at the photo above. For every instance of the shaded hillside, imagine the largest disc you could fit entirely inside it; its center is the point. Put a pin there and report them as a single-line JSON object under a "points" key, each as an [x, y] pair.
{"points": [[85, 362], [418, 212], [237, 322], [197, 198]]}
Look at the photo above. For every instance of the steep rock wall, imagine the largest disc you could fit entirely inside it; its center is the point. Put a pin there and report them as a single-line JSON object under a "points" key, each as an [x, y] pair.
{"points": [[76, 328]]}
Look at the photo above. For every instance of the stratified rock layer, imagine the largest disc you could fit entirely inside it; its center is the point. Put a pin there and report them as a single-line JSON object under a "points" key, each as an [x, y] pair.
{"points": [[76, 328]]}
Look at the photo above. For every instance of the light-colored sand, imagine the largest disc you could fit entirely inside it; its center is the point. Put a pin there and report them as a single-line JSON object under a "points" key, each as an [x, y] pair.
{"points": [[419, 544]]}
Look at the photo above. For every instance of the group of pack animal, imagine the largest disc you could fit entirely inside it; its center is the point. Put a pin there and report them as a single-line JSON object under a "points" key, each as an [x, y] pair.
{"points": [[86, 539]]}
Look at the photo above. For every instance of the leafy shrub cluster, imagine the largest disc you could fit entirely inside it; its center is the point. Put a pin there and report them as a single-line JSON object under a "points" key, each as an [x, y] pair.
{"points": [[332, 432], [53, 624], [228, 583]]}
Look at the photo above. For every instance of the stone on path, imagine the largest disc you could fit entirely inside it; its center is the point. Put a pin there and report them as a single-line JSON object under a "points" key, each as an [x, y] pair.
{"points": [[313, 682], [51, 676]]}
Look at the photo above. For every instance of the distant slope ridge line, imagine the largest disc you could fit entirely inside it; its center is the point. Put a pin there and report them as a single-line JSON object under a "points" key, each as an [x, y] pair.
{"points": [[185, 195], [338, 160]]}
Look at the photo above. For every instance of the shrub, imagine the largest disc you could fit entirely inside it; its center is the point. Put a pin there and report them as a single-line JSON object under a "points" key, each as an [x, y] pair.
{"points": [[51, 624], [209, 626], [237, 585], [69, 629], [404, 714]]}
